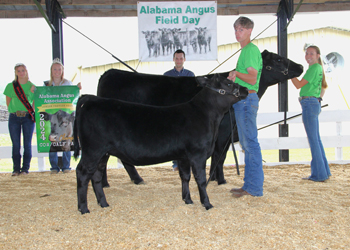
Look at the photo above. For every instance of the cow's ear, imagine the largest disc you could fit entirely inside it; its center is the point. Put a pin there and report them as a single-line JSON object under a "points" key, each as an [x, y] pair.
{"points": [[45, 116], [202, 80], [264, 53]]}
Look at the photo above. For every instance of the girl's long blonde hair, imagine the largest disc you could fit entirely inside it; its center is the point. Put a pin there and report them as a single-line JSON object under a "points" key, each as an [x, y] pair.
{"points": [[56, 61], [21, 65], [324, 82]]}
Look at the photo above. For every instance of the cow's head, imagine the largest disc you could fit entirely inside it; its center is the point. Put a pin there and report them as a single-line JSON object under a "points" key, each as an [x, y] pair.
{"points": [[277, 68], [148, 35], [231, 92], [175, 31], [61, 126], [201, 31]]}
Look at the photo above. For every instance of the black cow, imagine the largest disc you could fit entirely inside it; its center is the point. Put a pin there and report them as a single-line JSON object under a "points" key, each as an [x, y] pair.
{"points": [[61, 134], [165, 91], [111, 126]]}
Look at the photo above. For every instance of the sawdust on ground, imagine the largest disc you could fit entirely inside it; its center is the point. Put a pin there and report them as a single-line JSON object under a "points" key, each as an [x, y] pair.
{"points": [[39, 211]]}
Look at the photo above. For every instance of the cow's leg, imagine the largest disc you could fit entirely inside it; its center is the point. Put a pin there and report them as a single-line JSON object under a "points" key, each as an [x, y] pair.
{"points": [[221, 146], [103, 165], [83, 179], [133, 174], [198, 170], [98, 189], [185, 175]]}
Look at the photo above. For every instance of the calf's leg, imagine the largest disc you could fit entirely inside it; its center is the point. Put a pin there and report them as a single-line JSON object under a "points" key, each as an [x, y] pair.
{"points": [[103, 165], [199, 174], [98, 188], [185, 175], [83, 179]]}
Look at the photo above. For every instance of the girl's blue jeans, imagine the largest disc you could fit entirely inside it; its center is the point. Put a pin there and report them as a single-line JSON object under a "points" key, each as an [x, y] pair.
{"points": [[246, 112], [17, 125], [311, 108]]}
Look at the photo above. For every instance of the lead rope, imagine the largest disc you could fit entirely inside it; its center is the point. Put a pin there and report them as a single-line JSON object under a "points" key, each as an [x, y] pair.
{"points": [[100, 46]]}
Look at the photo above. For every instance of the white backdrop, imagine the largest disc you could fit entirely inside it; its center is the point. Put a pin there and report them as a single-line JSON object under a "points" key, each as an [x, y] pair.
{"points": [[158, 22]]}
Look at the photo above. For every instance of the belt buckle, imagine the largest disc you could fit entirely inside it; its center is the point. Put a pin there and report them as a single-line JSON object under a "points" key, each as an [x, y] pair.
{"points": [[20, 113]]}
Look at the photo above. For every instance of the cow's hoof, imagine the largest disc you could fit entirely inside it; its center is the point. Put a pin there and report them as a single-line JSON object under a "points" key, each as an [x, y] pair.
{"points": [[84, 211], [104, 204], [137, 182], [207, 207], [188, 201], [222, 182]]}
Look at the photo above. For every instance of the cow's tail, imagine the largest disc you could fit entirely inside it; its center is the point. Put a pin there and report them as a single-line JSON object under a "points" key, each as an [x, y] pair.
{"points": [[76, 141], [76, 132]]}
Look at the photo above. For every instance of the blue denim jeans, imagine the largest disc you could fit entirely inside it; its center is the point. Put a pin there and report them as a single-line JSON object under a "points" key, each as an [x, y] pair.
{"points": [[246, 112], [174, 164], [311, 108], [66, 155], [17, 125]]}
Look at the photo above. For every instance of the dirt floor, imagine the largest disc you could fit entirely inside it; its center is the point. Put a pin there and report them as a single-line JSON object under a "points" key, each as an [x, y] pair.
{"points": [[39, 211]]}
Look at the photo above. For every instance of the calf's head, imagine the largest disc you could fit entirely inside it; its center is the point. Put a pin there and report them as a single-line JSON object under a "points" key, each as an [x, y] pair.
{"points": [[227, 88]]}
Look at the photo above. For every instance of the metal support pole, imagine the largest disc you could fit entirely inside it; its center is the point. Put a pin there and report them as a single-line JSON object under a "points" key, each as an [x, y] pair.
{"points": [[57, 38], [285, 11]]}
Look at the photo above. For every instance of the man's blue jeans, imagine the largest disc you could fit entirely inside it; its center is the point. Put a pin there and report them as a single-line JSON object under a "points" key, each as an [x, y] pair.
{"points": [[246, 112], [66, 156], [16, 126], [311, 108]]}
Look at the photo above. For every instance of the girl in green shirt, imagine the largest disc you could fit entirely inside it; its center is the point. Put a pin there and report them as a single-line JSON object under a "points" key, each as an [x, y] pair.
{"points": [[312, 87], [20, 120]]}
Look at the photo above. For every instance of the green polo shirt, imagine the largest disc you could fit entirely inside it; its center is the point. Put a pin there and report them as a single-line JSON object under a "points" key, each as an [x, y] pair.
{"points": [[250, 57], [15, 103], [314, 76]]}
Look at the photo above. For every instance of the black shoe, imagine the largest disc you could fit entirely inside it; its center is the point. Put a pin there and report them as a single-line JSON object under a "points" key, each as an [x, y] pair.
{"points": [[15, 174]]}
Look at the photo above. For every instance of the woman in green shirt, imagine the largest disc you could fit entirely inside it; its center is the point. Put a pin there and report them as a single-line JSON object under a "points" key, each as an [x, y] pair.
{"points": [[20, 120], [312, 88]]}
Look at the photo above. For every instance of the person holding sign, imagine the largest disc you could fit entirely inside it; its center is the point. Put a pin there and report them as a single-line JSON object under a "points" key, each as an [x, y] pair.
{"points": [[19, 100], [57, 79], [179, 59]]}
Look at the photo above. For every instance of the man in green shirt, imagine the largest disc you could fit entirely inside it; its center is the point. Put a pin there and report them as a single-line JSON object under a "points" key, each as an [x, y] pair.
{"points": [[247, 74]]}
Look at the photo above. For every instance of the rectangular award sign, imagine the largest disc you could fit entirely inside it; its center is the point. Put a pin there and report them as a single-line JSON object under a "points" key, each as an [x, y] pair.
{"points": [[54, 117]]}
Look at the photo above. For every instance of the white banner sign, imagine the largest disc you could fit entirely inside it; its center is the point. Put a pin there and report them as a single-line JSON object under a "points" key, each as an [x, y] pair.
{"points": [[165, 27]]}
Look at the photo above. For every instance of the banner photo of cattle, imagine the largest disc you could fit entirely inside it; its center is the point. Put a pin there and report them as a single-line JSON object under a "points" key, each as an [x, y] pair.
{"points": [[165, 27], [54, 117]]}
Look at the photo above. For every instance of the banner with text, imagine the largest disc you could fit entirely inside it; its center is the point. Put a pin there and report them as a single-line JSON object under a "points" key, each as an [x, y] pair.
{"points": [[165, 27], [54, 116]]}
